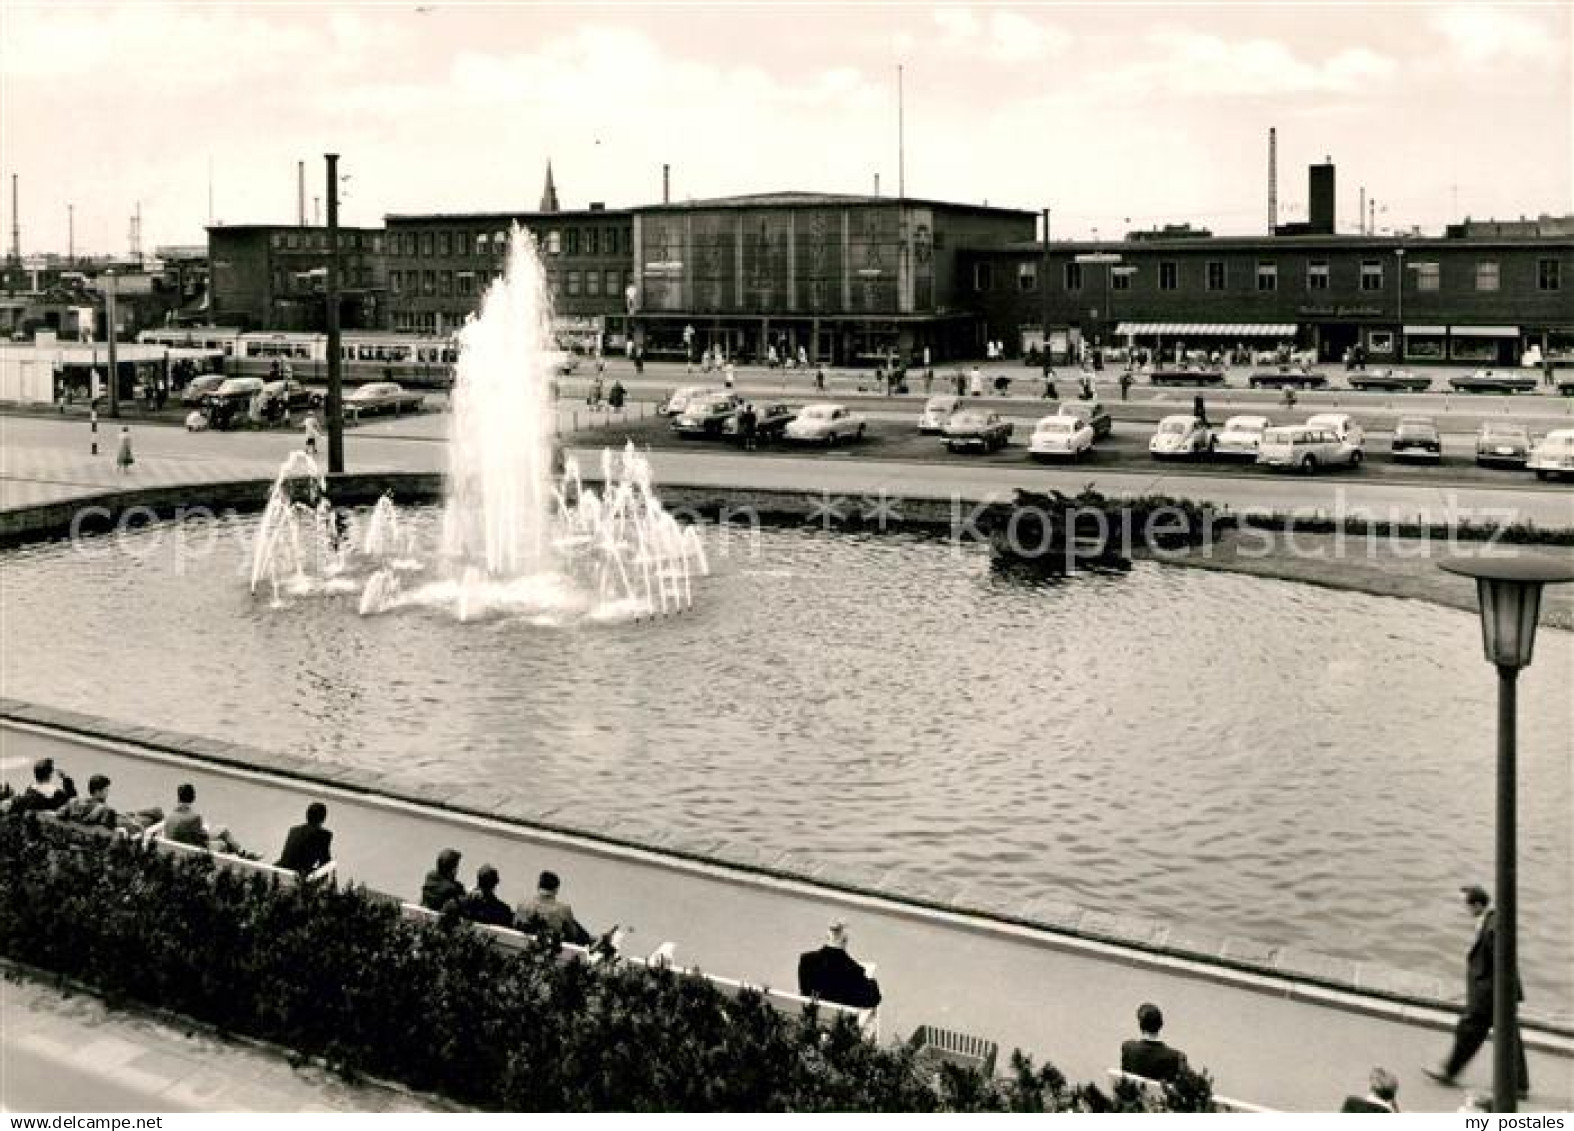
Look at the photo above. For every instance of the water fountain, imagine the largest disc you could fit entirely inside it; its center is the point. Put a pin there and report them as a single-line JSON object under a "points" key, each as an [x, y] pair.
{"points": [[513, 540]]}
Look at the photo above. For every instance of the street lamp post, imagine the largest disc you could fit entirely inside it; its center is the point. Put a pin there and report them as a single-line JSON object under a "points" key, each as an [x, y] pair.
{"points": [[114, 361], [1509, 589], [1399, 283]]}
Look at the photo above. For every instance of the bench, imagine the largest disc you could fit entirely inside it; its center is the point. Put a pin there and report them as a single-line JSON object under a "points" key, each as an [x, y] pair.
{"points": [[154, 835], [936, 1046], [1224, 1104]]}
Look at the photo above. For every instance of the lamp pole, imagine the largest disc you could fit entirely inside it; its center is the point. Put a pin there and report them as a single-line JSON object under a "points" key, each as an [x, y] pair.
{"points": [[1399, 254], [114, 363], [1509, 591], [335, 363]]}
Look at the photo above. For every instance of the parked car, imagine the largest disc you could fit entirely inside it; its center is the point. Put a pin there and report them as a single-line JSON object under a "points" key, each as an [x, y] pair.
{"points": [[937, 410], [231, 400], [1566, 385], [1502, 443], [1302, 378], [1416, 437], [707, 415], [770, 421], [1187, 375], [1553, 454], [1390, 380], [1304, 447], [679, 399], [378, 397], [1060, 436], [975, 428], [1240, 437], [1350, 434], [288, 392], [1094, 413], [197, 389], [827, 424], [1182, 435], [1490, 381]]}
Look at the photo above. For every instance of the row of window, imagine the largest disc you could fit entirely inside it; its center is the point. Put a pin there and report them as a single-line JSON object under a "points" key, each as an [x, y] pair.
{"points": [[316, 239], [588, 240], [465, 284], [1428, 276]]}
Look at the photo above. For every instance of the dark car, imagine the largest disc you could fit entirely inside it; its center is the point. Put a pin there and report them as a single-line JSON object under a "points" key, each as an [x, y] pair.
{"points": [[379, 397], [231, 400], [1302, 378], [1488, 381], [1503, 445], [1187, 375], [974, 428], [1093, 412], [288, 392], [707, 415], [770, 421], [1390, 381], [1416, 437]]}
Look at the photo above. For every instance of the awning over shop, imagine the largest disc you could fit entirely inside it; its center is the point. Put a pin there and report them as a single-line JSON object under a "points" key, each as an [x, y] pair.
{"points": [[1208, 329], [1484, 331], [1426, 331]]}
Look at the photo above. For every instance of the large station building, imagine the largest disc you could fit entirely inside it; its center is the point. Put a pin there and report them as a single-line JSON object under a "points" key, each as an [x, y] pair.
{"points": [[274, 277]]}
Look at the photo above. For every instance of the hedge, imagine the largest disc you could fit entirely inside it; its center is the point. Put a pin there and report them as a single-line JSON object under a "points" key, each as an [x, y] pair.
{"points": [[341, 975]]}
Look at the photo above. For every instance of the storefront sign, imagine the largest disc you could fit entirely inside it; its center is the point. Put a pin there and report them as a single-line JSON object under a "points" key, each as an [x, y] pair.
{"points": [[1338, 311]]}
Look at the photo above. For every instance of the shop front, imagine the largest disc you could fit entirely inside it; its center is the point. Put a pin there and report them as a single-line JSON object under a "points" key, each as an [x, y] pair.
{"points": [[1426, 343], [1488, 345]]}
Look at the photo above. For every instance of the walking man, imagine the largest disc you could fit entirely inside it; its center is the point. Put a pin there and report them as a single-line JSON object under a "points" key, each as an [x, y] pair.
{"points": [[1476, 1023]]}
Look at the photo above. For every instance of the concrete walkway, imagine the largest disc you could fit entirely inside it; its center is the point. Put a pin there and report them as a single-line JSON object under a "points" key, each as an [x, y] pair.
{"points": [[1267, 1040]]}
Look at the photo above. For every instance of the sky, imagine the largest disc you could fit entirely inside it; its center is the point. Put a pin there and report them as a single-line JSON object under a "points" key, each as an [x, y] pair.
{"points": [[1113, 115]]}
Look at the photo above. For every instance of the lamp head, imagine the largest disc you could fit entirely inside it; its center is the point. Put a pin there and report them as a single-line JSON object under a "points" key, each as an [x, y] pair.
{"points": [[1509, 588]]}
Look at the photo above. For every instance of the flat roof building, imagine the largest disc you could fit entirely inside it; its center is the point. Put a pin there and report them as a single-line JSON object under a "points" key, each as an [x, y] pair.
{"points": [[274, 277]]}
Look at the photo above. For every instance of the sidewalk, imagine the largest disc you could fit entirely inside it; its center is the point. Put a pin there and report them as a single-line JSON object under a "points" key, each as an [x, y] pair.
{"points": [[1267, 1040]]}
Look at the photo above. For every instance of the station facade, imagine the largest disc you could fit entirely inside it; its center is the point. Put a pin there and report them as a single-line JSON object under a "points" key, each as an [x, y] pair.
{"points": [[1478, 300]]}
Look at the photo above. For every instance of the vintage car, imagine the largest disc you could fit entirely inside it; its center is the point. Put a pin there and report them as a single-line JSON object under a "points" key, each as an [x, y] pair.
{"points": [[679, 399], [1092, 411], [289, 393], [197, 389], [825, 423], [1389, 380], [1350, 434], [1491, 381], [706, 415], [937, 410], [377, 397], [1240, 437], [1182, 435], [770, 421], [1187, 375], [1304, 447], [1060, 437], [1417, 437], [1302, 378], [974, 428], [231, 400], [1502, 444], [1553, 454]]}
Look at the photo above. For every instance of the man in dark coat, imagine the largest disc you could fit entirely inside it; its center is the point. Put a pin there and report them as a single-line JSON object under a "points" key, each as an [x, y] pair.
{"points": [[832, 974], [1382, 1096], [308, 847], [46, 793], [482, 905], [441, 886], [1148, 1056], [1476, 1023]]}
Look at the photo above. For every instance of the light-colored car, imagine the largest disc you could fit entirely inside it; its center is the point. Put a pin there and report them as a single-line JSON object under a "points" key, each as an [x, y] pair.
{"points": [[377, 397], [1502, 443], [679, 399], [1092, 411], [1240, 437], [1060, 437], [826, 424], [1182, 435], [1350, 434], [937, 413], [1303, 447], [1553, 454]]}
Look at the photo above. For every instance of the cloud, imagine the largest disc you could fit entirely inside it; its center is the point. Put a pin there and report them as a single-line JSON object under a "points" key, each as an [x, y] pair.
{"points": [[1001, 35], [1193, 63], [1480, 35]]}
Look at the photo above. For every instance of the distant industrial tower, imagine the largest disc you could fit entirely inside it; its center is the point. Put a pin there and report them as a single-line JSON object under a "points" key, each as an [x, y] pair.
{"points": [[16, 225], [1273, 179], [136, 233], [549, 193]]}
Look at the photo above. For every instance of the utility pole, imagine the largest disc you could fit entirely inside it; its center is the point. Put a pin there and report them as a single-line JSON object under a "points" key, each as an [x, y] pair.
{"points": [[71, 235], [1043, 285], [335, 364], [114, 370], [901, 139]]}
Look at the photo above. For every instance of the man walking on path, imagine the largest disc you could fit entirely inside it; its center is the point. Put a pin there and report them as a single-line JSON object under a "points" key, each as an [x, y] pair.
{"points": [[1476, 1023]]}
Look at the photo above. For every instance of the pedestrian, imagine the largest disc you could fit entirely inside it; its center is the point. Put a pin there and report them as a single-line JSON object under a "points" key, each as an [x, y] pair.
{"points": [[616, 395], [1546, 370], [819, 378], [1289, 397], [313, 431], [1382, 1094], [803, 357], [1199, 409], [731, 374], [929, 378], [975, 381], [1480, 974], [1125, 385], [123, 457]]}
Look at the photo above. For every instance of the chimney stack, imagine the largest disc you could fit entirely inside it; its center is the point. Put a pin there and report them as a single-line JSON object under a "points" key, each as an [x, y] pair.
{"points": [[300, 193], [16, 224], [666, 184], [1320, 198]]}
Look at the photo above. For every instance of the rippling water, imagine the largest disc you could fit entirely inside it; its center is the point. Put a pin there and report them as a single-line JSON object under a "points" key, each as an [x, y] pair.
{"points": [[1262, 759]]}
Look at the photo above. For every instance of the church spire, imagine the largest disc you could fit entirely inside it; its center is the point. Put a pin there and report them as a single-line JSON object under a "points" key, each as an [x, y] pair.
{"points": [[549, 193]]}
